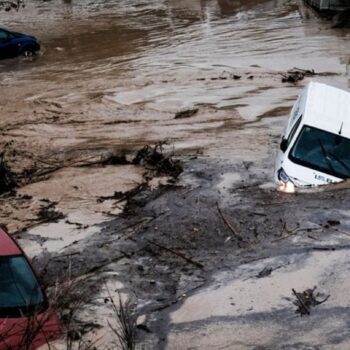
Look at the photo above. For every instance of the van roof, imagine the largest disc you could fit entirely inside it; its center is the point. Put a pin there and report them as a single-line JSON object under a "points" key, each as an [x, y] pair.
{"points": [[328, 108], [7, 245]]}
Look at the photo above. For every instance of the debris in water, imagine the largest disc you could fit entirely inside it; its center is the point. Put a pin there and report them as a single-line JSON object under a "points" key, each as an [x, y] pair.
{"points": [[306, 300], [8, 5], [333, 222], [7, 177], [115, 159], [296, 74], [154, 158], [50, 214], [266, 271], [123, 196], [188, 113]]}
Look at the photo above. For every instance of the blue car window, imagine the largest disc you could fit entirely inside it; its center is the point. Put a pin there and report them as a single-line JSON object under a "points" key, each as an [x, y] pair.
{"points": [[19, 287], [3, 35]]}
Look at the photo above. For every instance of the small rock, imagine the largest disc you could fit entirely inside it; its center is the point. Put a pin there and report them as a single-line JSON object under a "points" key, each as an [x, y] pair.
{"points": [[188, 113], [266, 271], [333, 222]]}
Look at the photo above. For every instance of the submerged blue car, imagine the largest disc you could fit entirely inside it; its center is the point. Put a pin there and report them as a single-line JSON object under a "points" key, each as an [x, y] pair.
{"points": [[16, 44]]}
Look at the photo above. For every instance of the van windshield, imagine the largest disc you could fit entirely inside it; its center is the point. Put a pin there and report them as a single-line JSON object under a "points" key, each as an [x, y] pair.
{"points": [[20, 292], [323, 151]]}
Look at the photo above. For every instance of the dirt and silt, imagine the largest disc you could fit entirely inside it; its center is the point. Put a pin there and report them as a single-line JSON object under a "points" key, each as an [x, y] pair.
{"points": [[209, 256]]}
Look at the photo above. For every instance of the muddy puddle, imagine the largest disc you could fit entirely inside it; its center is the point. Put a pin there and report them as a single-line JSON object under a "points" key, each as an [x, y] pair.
{"points": [[251, 310], [110, 79]]}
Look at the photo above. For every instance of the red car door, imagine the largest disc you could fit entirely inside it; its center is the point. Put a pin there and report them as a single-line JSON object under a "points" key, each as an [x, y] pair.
{"points": [[26, 319], [29, 333]]}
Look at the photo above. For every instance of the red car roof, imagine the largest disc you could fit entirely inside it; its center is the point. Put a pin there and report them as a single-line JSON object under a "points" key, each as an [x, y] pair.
{"points": [[7, 245]]}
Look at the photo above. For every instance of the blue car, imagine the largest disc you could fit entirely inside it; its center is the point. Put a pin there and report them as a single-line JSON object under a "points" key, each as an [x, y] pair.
{"points": [[16, 44]]}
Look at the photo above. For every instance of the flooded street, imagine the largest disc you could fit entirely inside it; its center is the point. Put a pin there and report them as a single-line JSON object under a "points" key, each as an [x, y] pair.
{"points": [[105, 64], [109, 80]]}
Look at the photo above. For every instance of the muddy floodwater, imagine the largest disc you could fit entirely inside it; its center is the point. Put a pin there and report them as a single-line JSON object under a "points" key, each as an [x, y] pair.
{"points": [[109, 80]]}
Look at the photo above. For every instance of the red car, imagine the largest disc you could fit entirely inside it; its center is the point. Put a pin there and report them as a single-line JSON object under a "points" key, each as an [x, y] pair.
{"points": [[26, 319]]}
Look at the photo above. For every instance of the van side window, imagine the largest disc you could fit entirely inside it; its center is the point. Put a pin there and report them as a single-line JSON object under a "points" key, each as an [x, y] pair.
{"points": [[292, 133]]}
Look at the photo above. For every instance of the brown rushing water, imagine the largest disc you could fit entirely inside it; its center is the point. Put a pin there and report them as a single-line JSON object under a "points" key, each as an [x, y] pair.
{"points": [[112, 74], [142, 40]]}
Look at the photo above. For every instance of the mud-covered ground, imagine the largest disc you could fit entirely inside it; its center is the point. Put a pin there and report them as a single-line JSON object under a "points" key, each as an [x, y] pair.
{"points": [[172, 244], [186, 249]]}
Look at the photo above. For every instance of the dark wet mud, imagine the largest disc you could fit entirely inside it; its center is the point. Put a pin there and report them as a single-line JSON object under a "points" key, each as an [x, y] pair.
{"points": [[173, 241], [114, 77]]}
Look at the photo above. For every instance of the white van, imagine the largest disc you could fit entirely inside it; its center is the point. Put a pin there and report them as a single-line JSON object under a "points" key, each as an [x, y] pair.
{"points": [[315, 146]]}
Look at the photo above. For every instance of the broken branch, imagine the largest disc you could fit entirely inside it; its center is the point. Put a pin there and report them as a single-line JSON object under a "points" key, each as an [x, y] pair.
{"points": [[191, 261], [234, 232], [301, 302]]}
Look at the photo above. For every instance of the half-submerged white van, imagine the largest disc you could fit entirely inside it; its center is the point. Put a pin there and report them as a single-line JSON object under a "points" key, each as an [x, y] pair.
{"points": [[315, 146]]}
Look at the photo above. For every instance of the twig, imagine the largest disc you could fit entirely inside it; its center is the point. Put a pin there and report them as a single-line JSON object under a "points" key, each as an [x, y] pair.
{"points": [[65, 255], [324, 300], [302, 304], [343, 232], [324, 248], [295, 231], [125, 328], [259, 214], [234, 232], [196, 263], [180, 298]]}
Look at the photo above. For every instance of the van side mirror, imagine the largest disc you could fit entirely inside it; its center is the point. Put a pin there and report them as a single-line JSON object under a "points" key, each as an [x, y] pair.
{"points": [[284, 145]]}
